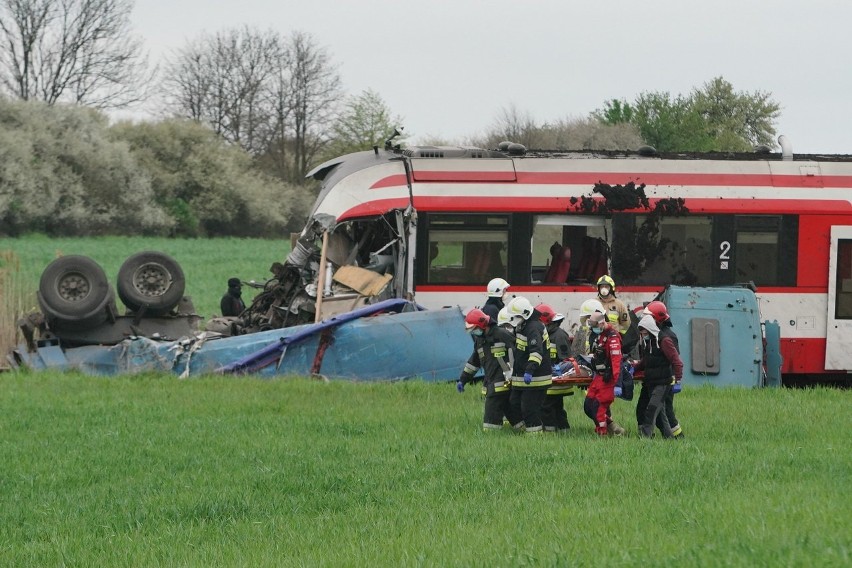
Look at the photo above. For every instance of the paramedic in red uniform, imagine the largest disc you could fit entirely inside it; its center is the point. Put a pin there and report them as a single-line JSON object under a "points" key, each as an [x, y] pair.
{"points": [[491, 345], [607, 355], [532, 370]]}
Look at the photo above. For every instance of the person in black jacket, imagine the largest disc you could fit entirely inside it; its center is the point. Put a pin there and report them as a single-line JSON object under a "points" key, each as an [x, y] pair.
{"points": [[532, 369], [663, 367], [232, 303], [492, 352], [498, 290]]}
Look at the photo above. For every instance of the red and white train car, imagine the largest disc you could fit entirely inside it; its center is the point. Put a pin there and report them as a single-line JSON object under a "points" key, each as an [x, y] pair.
{"points": [[449, 219]]}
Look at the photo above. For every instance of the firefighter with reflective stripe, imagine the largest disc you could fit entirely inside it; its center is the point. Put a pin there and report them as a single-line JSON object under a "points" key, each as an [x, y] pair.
{"points": [[560, 341], [532, 370], [606, 356], [554, 417], [616, 311], [498, 291], [663, 368], [583, 340], [492, 352], [505, 322]]}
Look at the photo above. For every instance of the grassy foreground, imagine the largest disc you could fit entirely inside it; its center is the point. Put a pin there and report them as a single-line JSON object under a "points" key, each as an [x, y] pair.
{"points": [[244, 472]]}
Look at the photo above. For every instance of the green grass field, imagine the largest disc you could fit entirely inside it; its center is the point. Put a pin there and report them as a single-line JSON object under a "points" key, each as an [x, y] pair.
{"points": [[207, 263], [158, 471]]}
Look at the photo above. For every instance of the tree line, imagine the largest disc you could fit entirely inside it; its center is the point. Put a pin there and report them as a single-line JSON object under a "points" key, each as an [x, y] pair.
{"points": [[65, 170], [245, 114]]}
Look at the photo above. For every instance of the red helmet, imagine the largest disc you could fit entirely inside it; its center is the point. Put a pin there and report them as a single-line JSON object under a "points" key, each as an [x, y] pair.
{"points": [[476, 318], [547, 313], [657, 310]]}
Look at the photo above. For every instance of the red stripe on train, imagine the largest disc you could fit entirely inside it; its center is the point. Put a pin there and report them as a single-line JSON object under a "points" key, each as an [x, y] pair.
{"points": [[521, 204], [648, 178]]}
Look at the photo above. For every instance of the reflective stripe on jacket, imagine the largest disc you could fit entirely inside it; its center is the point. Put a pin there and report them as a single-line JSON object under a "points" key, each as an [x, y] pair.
{"points": [[492, 353], [532, 349]]}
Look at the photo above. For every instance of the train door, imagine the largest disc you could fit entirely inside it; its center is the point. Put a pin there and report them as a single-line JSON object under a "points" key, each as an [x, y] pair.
{"points": [[838, 355]]}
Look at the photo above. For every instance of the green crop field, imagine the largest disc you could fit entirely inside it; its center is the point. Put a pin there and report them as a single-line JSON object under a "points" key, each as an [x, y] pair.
{"points": [[158, 471], [207, 263]]}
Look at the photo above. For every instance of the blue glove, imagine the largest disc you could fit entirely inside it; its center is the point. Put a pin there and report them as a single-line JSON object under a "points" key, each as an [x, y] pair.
{"points": [[557, 368], [617, 391], [527, 378], [676, 387], [460, 386]]}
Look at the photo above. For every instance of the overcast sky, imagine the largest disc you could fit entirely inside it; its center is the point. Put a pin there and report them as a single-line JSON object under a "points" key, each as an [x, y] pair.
{"points": [[448, 66]]}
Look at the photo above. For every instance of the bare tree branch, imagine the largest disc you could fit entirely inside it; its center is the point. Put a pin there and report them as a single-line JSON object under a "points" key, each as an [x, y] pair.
{"points": [[273, 96], [224, 80], [77, 51]]}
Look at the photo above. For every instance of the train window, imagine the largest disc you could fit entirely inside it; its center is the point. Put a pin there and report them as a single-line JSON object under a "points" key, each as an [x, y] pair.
{"points": [[568, 248], [843, 287], [467, 249], [756, 255], [658, 251]]}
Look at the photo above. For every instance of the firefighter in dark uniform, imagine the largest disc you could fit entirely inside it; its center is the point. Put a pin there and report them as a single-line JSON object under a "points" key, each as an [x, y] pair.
{"points": [[498, 290], [492, 352], [554, 417], [606, 356], [532, 370]]}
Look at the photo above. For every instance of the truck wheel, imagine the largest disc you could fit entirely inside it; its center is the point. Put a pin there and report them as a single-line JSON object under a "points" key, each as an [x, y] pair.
{"points": [[150, 280], [75, 289]]}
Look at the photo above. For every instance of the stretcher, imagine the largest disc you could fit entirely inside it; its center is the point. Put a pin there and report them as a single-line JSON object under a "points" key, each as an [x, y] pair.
{"points": [[579, 373], [565, 379]]}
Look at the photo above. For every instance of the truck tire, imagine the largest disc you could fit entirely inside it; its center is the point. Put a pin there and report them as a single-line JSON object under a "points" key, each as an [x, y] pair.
{"points": [[152, 281], [74, 290]]}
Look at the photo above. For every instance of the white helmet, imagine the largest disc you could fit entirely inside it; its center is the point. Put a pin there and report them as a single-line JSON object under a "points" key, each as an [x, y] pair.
{"points": [[519, 307], [589, 307], [597, 319], [497, 287], [503, 317]]}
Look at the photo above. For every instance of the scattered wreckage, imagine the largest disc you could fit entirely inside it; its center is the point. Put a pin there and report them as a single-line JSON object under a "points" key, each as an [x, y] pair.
{"points": [[364, 334], [442, 221]]}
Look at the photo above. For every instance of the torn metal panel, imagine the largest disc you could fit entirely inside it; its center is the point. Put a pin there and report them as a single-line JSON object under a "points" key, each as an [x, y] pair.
{"points": [[391, 340]]}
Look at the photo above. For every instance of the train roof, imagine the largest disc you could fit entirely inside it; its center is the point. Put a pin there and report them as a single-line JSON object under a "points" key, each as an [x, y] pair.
{"points": [[351, 180]]}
